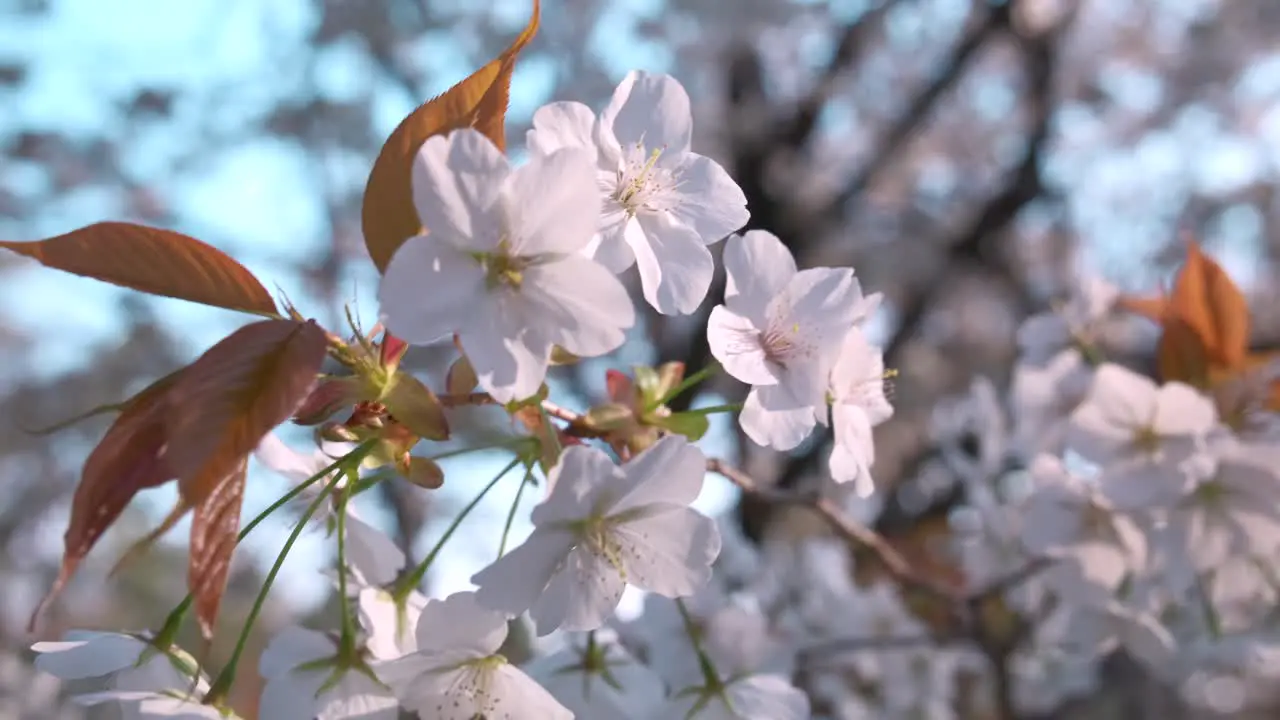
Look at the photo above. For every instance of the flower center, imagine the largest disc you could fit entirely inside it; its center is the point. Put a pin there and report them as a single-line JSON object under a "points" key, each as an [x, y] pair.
{"points": [[641, 184], [475, 683], [502, 268], [1146, 440], [596, 533]]}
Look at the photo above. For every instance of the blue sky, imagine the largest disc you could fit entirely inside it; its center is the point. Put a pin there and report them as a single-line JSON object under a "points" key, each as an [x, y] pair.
{"points": [[258, 198]]}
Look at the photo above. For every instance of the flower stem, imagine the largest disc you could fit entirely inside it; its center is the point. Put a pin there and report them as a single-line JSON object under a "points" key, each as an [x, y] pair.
{"points": [[169, 631], [713, 409], [710, 677], [710, 369], [346, 645], [515, 504], [222, 684], [411, 580]]}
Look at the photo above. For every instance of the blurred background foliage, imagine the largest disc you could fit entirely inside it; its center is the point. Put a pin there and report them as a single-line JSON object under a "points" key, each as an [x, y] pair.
{"points": [[968, 157]]}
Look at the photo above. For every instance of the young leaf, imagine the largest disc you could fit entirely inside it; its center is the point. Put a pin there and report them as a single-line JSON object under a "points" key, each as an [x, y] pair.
{"points": [[130, 458], [692, 425], [160, 262], [461, 378], [1181, 354], [479, 101], [233, 395], [416, 407], [214, 526], [1206, 299]]}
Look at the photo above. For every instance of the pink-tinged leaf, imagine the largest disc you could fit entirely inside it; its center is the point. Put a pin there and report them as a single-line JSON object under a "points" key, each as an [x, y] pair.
{"points": [[129, 458], [215, 523], [233, 395]]}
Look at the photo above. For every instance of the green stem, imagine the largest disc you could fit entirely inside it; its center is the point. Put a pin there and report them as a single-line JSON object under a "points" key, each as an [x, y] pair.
{"points": [[710, 677], [505, 444], [511, 514], [713, 409], [348, 639], [413, 579], [222, 684], [169, 631], [711, 368]]}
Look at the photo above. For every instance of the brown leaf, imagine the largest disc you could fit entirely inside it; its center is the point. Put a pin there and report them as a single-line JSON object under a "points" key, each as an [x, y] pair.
{"points": [[479, 101], [413, 405], [1181, 354], [1153, 308], [130, 458], [214, 526], [233, 395], [1206, 299], [461, 378], [423, 472], [160, 262]]}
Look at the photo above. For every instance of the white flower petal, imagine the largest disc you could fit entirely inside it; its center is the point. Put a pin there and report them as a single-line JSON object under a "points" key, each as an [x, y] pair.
{"points": [[669, 471], [653, 109], [855, 450], [371, 555], [459, 624], [291, 647], [95, 655], [390, 627], [758, 267], [772, 418], [430, 290], [560, 125], [292, 695], [675, 266], [584, 307], [581, 596], [513, 582], [575, 482], [710, 201], [671, 550], [497, 346], [1183, 410], [456, 180], [553, 203], [735, 343], [619, 232], [277, 456]]}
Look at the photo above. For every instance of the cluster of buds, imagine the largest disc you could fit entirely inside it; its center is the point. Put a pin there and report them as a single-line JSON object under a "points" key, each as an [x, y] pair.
{"points": [[386, 403], [637, 412]]}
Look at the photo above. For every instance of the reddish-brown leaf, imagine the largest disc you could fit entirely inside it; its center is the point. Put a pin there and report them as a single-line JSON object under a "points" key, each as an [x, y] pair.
{"points": [[1181, 354], [214, 526], [233, 395], [1153, 308], [479, 101], [1206, 299], [130, 458], [160, 262]]}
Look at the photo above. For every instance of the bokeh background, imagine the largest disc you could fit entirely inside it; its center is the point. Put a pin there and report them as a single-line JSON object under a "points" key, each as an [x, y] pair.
{"points": [[968, 157]]}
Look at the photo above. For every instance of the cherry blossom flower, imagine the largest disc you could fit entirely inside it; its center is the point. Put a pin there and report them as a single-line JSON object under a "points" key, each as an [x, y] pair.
{"points": [[781, 330], [1233, 512], [858, 404], [595, 677], [751, 697], [456, 673], [1143, 434], [501, 264], [155, 688], [372, 557], [1074, 324], [1042, 400], [1093, 547], [389, 624], [662, 203], [601, 527], [302, 686]]}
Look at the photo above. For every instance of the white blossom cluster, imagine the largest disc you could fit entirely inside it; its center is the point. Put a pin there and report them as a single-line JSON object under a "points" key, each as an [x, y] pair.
{"points": [[1147, 524]]}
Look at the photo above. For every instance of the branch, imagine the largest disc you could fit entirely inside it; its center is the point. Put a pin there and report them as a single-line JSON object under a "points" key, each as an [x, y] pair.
{"points": [[914, 116]]}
